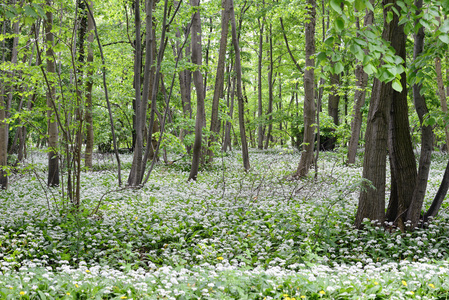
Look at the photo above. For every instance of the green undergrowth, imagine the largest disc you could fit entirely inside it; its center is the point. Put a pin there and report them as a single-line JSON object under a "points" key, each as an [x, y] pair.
{"points": [[230, 234]]}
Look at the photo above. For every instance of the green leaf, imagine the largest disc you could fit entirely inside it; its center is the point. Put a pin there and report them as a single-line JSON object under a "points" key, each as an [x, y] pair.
{"points": [[444, 38], [340, 23], [359, 5], [29, 11], [336, 6], [369, 69], [445, 27], [389, 16], [396, 85], [321, 57], [329, 41], [338, 68]]}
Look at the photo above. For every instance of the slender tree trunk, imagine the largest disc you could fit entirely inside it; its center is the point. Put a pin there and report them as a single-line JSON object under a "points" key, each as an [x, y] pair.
{"points": [[260, 131], [439, 197], [270, 91], [414, 211], [306, 160], [89, 83], [359, 98], [219, 78], [442, 95], [198, 81], [238, 70], [52, 125], [230, 102]]}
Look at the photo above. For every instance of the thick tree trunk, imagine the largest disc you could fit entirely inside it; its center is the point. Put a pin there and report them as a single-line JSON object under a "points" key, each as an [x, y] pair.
{"points": [[238, 70], [372, 200], [198, 81], [52, 125], [306, 160], [359, 99], [89, 83], [219, 78], [402, 158], [136, 167], [414, 211]]}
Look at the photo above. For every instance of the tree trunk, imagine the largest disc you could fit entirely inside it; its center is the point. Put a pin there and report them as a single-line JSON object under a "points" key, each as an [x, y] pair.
{"points": [[89, 83], [238, 70], [52, 125], [402, 158], [219, 78], [306, 160], [442, 95], [260, 130], [372, 200], [198, 81], [359, 97], [230, 102], [136, 167], [414, 211], [439, 197], [270, 91]]}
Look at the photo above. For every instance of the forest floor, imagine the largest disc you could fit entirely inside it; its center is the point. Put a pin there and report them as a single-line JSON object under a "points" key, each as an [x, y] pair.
{"points": [[229, 235]]}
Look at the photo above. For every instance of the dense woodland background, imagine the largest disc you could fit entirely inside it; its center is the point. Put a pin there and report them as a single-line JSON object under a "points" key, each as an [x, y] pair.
{"points": [[169, 81]]}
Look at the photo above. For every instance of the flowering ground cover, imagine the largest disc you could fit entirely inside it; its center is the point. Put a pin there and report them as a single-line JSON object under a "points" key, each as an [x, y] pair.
{"points": [[230, 235]]}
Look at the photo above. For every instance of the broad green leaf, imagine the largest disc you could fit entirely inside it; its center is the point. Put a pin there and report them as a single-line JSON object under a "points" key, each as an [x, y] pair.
{"points": [[389, 16], [321, 57], [396, 85], [369, 69], [336, 6], [340, 23], [29, 11], [444, 38], [338, 68], [359, 5], [329, 41]]}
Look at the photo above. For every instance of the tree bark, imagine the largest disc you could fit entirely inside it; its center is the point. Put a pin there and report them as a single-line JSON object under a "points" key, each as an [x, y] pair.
{"points": [[270, 90], [219, 78], [442, 95], [414, 211], [198, 81], [241, 108], [89, 83], [52, 125], [372, 200], [260, 130], [306, 160], [136, 167], [359, 98]]}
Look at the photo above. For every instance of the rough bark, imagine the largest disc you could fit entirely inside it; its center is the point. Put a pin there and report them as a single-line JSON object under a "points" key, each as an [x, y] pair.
{"points": [[306, 159], [402, 158], [372, 200], [241, 108], [198, 82]]}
